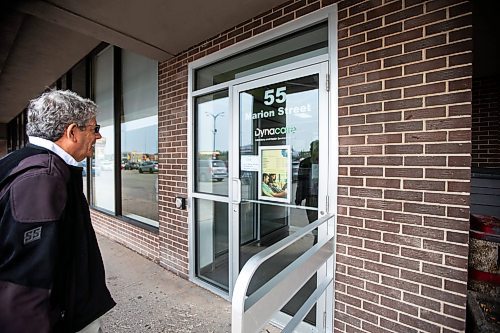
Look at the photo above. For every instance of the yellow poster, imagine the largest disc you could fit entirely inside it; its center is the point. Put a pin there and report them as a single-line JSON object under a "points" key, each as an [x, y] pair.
{"points": [[275, 171]]}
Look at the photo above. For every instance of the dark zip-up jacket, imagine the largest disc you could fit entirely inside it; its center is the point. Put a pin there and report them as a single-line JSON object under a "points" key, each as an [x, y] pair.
{"points": [[51, 271]]}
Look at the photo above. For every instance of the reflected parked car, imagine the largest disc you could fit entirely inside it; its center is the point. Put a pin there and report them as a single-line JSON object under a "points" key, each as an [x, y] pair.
{"points": [[148, 166], [209, 170], [131, 166]]}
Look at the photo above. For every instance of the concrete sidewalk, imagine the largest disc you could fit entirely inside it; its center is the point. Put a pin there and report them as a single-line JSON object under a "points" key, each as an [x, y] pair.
{"points": [[151, 299]]}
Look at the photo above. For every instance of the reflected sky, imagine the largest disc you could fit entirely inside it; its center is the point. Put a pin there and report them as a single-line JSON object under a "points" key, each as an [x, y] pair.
{"points": [[141, 135], [205, 133]]}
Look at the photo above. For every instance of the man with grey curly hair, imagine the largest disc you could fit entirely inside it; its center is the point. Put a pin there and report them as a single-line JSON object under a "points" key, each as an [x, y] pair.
{"points": [[51, 272], [50, 113], [68, 120]]}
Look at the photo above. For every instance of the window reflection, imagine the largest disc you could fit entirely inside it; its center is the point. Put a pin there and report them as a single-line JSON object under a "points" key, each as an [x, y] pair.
{"points": [[139, 135], [212, 143], [212, 242], [83, 164], [300, 45], [78, 85], [78, 79], [103, 181], [291, 119]]}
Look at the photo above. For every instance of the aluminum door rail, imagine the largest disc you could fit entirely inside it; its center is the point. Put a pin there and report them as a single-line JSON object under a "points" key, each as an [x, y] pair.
{"points": [[251, 313]]}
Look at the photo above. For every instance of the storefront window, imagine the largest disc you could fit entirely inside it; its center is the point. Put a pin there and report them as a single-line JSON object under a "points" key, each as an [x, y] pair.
{"points": [[139, 138], [103, 183], [78, 85], [134, 92], [78, 79]]}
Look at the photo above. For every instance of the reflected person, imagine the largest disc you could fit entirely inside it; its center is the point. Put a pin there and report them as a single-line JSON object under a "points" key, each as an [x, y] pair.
{"points": [[307, 185]]}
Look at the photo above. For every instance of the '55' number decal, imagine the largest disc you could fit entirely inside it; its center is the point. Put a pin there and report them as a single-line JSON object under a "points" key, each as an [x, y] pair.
{"points": [[270, 97]]}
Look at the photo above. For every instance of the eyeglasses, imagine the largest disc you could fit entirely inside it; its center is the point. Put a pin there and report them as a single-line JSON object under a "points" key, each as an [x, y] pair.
{"points": [[96, 128]]}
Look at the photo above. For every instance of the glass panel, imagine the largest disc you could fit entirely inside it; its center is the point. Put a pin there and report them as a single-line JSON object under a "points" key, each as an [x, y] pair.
{"points": [[279, 262], [212, 242], [78, 85], [279, 133], [290, 119], [298, 46], [212, 143], [139, 135], [83, 164], [64, 82], [103, 181], [78, 79], [20, 131]]}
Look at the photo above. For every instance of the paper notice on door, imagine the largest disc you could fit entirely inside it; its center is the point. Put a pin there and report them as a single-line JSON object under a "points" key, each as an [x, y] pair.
{"points": [[250, 163]]}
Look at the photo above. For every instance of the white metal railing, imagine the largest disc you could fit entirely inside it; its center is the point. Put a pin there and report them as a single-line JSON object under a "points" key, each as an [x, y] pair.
{"points": [[251, 313]]}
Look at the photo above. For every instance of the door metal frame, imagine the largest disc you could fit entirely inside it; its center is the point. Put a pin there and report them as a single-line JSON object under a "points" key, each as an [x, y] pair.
{"points": [[329, 14], [307, 68]]}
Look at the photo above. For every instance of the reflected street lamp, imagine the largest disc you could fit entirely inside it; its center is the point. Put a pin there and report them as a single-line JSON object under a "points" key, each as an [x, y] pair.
{"points": [[214, 131]]}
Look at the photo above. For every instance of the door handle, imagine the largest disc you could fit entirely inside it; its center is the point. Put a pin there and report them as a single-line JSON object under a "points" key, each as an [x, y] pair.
{"points": [[236, 191]]}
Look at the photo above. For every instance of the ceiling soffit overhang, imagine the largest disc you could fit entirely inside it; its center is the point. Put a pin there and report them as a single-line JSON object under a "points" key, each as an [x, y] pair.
{"points": [[40, 54], [46, 38], [88, 27]]}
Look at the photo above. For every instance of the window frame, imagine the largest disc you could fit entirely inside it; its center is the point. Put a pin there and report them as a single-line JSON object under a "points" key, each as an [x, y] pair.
{"points": [[117, 107]]}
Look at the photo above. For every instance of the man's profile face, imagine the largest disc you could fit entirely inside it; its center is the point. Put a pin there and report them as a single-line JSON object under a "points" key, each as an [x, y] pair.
{"points": [[87, 137]]}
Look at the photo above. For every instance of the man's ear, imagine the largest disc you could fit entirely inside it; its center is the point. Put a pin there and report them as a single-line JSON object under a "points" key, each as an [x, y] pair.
{"points": [[69, 133]]}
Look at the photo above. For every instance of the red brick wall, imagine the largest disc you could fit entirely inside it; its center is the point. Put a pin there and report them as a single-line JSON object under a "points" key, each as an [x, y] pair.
{"points": [[141, 241], [405, 142], [172, 141], [486, 122]]}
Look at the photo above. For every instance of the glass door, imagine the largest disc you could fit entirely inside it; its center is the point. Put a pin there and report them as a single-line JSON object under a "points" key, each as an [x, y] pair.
{"points": [[211, 189], [279, 170]]}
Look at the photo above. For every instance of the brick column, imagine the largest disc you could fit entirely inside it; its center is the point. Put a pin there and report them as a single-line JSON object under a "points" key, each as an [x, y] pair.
{"points": [[405, 142], [172, 180]]}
